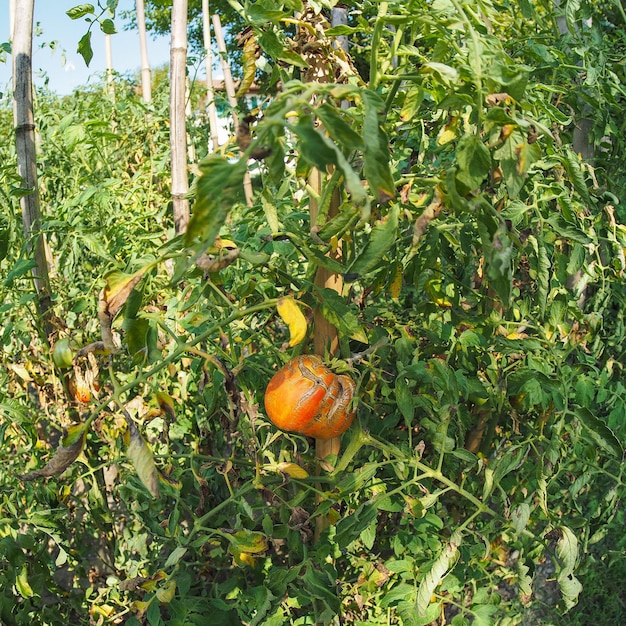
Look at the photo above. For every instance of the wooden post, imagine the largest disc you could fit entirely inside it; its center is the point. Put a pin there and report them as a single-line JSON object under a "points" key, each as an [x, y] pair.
{"points": [[213, 122], [326, 338], [146, 78], [24, 121], [178, 122], [229, 86]]}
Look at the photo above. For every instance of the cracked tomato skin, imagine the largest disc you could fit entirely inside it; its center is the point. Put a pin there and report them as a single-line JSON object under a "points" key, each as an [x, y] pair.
{"points": [[305, 397]]}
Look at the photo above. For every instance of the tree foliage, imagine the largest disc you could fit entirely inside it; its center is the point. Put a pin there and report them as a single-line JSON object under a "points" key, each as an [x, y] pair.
{"points": [[482, 319]]}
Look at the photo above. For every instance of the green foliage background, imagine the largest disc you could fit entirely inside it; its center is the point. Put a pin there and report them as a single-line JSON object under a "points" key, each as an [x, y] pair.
{"points": [[482, 319]]}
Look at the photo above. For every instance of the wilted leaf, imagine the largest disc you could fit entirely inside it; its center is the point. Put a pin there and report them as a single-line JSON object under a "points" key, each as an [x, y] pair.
{"points": [[436, 573], [520, 516], [71, 446], [428, 215], [250, 49], [113, 296], [176, 555], [567, 552], [166, 593], [245, 545], [166, 404], [141, 457], [292, 315]]}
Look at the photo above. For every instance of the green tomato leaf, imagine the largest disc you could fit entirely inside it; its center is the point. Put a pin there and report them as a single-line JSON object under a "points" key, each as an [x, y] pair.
{"points": [[376, 156], [80, 10], [84, 48], [601, 434], [108, 27], [217, 189], [382, 238], [444, 563], [338, 128], [474, 161]]}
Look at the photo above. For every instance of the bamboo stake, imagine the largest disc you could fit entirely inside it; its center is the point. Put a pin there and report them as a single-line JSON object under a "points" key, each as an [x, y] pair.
{"points": [[178, 128], [108, 53], [24, 121], [146, 79], [229, 86], [213, 122]]}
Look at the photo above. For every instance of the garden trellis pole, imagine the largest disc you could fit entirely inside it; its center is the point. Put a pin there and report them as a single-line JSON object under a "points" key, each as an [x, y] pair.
{"points": [[229, 86], [146, 79], [178, 122], [212, 109], [24, 120]]}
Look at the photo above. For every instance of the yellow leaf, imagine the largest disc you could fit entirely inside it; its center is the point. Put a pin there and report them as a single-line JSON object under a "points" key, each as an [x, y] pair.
{"points": [[166, 593], [250, 51], [396, 284], [292, 469], [445, 136], [292, 315]]}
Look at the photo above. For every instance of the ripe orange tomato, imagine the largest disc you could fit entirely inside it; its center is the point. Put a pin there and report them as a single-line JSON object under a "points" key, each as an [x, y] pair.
{"points": [[305, 397]]}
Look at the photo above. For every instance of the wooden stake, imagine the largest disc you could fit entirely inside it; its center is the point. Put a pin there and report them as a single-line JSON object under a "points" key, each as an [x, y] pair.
{"points": [[213, 122], [229, 85], [146, 79], [24, 120], [178, 122]]}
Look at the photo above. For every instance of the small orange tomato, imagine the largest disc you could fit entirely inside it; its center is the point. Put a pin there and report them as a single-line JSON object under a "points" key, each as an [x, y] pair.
{"points": [[305, 397]]}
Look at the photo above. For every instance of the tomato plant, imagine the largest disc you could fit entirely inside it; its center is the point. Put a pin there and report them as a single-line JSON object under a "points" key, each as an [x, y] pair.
{"points": [[480, 316]]}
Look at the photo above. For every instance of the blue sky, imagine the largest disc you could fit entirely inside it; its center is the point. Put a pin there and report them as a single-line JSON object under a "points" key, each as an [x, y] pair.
{"points": [[62, 65]]}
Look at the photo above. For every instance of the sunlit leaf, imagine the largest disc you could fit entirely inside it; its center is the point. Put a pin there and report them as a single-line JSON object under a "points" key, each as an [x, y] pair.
{"points": [[376, 156], [107, 26], [219, 186], [339, 314], [84, 48], [166, 593], [292, 469], [22, 585], [435, 575], [292, 315], [141, 457], [250, 48], [80, 10], [245, 545]]}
